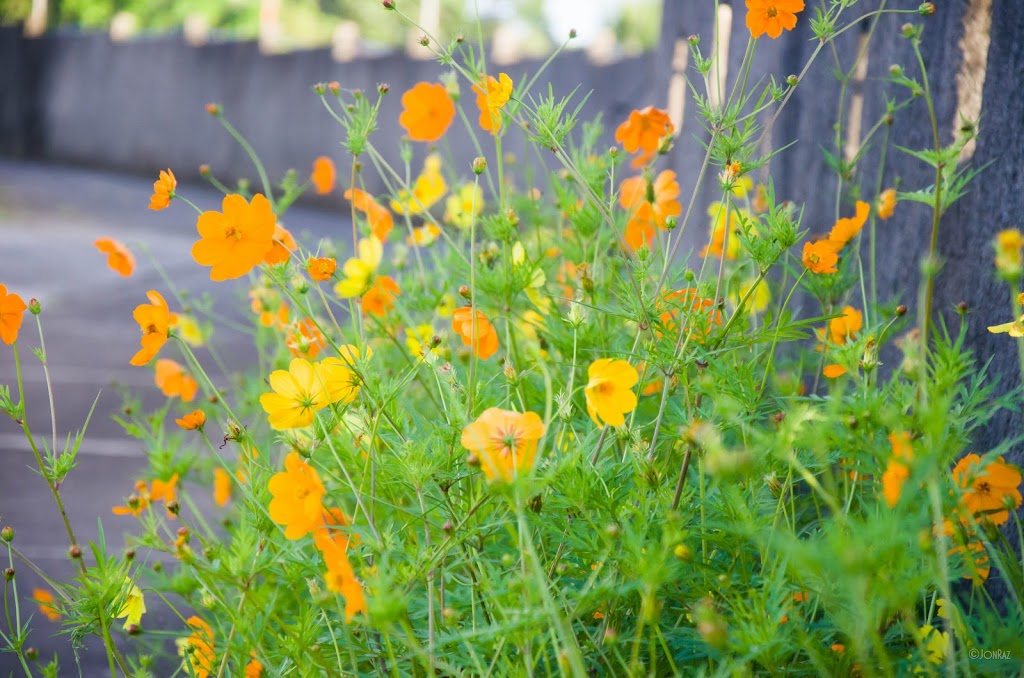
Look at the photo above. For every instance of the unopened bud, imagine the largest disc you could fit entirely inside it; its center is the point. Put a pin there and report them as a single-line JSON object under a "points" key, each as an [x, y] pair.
{"points": [[792, 80], [320, 88], [334, 87], [895, 70], [204, 170], [7, 534], [536, 503], [682, 552], [926, 9], [173, 507], [472, 460], [31, 654], [34, 307], [694, 40], [214, 109], [9, 574], [448, 526], [75, 551], [388, 4], [424, 40], [479, 165], [962, 308], [671, 222], [612, 530], [464, 291], [901, 311], [572, 33], [134, 629], [129, 554], [383, 88], [907, 30]]}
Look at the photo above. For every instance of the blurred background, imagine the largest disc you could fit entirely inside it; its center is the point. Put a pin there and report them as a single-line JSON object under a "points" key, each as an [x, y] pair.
{"points": [[523, 27]]}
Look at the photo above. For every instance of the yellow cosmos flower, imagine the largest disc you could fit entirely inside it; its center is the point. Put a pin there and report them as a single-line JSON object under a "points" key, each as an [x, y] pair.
{"points": [[429, 188], [1009, 245], [461, 207], [298, 395], [610, 391], [134, 605], [358, 271], [339, 381], [188, 328], [759, 298]]}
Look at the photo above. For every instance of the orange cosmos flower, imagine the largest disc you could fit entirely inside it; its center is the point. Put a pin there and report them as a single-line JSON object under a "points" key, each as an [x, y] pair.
{"points": [[845, 327], [380, 298], [323, 175], [235, 241], [154, 319], [192, 421], [119, 258], [284, 244], [491, 96], [164, 490], [173, 380], [12, 310], [137, 502], [988, 491], [484, 340], [45, 599], [379, 218], [305, 340], [847, 228], [427, 111], [322, 269], [267, 303], [834, 371], [654, 201], [699, 311], [198, 650], [254, 669], [504, 441], [772, 16], [644, 129], [221, 487], [887, 204], [610, 391], [640, 228], [897, 470], [820, 257], [163, 190], [297, 498]]}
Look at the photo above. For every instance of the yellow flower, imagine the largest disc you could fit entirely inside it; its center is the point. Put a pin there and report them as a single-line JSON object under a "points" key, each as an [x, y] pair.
{"points": [[188, 328], [336, 377], [134, 605], [197, 649], [298, 496], [446, 306], [1014, 329], [887, 204], [358, 271], [610, 391], [417, 340], [1010, 253], [429, 187], [934, 642], [759, 298], [461, 207], [424, 236], [298, 395]]}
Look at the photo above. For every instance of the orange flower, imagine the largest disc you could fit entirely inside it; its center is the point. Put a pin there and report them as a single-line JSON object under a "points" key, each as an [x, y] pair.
{"points": [[380, 298], [323, 175], [341, 578], [820, 257], [699, 312], [119, 259], [137, 502], [221, 487], [847, 228], [379, 218], [322, 269], [845, 327], [173, 380], [834, 371], [284, 243], [154, 319], [235, 241], [192, 421], [644, 130], [483, 338], [640, 228], [12, 309], [164, 490], [504, 441], [427, 111], [304, 340], [198, 650], [254, 669], [772, 16], [163, 190], [655, 202], [897, 470], [609, 392], [966, 543], [267, 303], [297, 498], [45, 599], [887, 204], [987, 492], [491, 96]]}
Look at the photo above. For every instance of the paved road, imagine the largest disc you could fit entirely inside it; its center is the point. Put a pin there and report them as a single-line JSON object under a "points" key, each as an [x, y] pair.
{"points": [[49, 217]]}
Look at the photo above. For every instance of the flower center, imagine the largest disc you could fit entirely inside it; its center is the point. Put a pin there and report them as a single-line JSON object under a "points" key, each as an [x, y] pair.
{"points": [[233, 232], [301, 493], [983, 487], [813, 258], [604, 387], [772, 12], [151, 329]]}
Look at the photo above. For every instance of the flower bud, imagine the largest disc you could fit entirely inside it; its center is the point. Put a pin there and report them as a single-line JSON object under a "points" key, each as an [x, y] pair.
{"points": [[901, 311], [173, 507], [383, 88], [204, 170], [75, 551], [134, 629], [907, 30], [464, 291], [448, 526], [694, 40], [792, 80], [926, 9], [31, 653], [682, 552], [7, 534], [895, 70], [9, 574], [334, 87], [612, 530], [424, 40], [388, 4], [129, 554], [214, 109], [962, 308], [536, 503], [671, 222], [572, 33], [320, 88], [34, 307], [449, 614], [479, 165], [472, 460]]}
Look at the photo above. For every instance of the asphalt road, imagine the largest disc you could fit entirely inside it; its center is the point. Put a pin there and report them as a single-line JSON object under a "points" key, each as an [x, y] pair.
{"points": [[49, 218]]}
